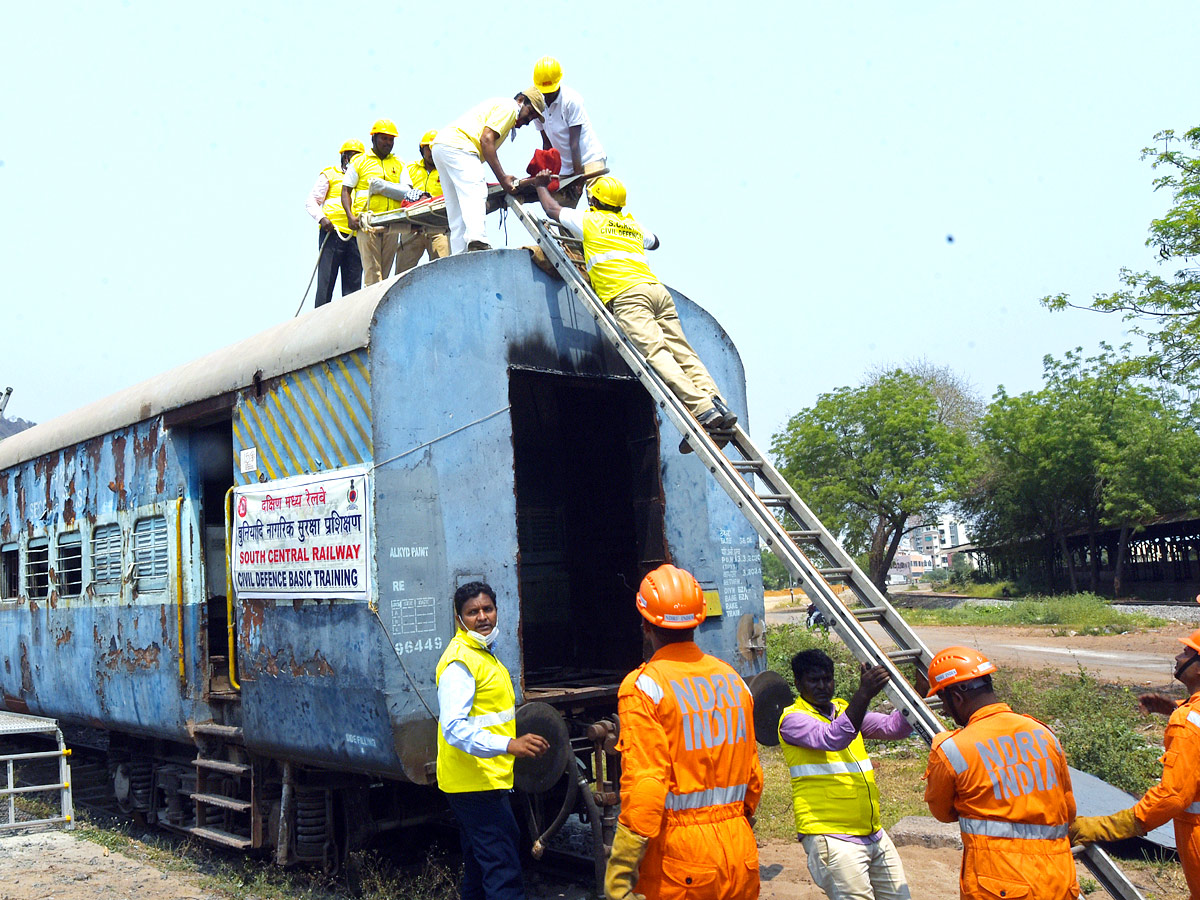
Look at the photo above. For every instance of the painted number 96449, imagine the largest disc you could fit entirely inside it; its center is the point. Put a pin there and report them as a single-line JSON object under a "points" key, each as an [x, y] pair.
{"points": [[418, 645]]}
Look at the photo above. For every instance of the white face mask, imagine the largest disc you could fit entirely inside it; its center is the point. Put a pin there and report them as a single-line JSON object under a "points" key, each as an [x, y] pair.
{"points": [[483, 640]]}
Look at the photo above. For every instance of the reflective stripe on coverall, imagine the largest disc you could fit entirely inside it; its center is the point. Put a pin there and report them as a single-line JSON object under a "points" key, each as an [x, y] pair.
{"points": [[1004, 778], [690, 775], [1177, 795]]}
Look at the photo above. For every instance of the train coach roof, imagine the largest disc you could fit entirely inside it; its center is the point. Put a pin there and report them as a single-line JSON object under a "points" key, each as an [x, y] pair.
{"points": [[320, 334]]}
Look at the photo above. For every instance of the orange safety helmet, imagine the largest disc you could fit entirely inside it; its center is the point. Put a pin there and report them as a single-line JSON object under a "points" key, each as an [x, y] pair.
{"points": [[671, 598], [954, 665], [1192, 640]]}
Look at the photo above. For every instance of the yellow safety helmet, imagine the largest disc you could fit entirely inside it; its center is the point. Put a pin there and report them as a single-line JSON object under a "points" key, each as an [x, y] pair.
{"points": [[608, 190], [428, 138], [547, 74], [384, 126], [356, 146]]}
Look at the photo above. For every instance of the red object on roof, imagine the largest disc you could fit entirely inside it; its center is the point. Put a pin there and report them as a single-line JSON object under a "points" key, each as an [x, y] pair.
{"points": [[546, 159]]}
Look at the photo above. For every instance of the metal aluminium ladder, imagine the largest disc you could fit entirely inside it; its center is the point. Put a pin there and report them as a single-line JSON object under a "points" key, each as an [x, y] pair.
{"points": [[14, 818], [807, 549]]}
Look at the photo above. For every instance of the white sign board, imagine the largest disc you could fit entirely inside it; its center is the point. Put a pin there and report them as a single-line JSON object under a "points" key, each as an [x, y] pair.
{"points": [[303, 537]]}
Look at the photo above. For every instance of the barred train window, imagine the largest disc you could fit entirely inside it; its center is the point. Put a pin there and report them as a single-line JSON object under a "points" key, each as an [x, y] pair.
{"points": [[70, 564], [106, 558], [10, 571], [150, 553], [37, 569]]}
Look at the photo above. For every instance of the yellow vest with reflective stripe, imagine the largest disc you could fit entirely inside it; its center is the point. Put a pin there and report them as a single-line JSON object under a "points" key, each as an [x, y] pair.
{"points": [[332, 207], [614, 251], [371, 166], [424, 179], [494, 704], [833, 792]]}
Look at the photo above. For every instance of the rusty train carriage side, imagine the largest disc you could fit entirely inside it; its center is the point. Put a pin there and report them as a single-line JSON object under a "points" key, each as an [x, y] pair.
{"points": [[507, 443]]}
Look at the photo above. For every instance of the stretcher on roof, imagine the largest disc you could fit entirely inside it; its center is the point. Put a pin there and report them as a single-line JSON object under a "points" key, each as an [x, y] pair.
{"points": [[431, 213]]}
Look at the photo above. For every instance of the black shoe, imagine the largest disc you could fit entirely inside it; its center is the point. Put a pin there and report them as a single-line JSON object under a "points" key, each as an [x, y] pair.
{"points": [[478, 245], [710, 420], [728, 417]]}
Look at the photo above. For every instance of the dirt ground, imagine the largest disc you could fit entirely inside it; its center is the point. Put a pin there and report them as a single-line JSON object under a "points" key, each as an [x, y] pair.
{"points": [[56, 865], [60, 866]]}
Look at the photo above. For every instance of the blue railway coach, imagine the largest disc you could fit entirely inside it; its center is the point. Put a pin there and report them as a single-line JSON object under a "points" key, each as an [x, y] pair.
{"points": [[473, 420]]}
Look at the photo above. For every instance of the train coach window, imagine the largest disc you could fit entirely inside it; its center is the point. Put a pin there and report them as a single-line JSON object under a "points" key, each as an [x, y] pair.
{"points": [[10, 571], [37, 569], [106, 558], [150, 553], [70, 564]]}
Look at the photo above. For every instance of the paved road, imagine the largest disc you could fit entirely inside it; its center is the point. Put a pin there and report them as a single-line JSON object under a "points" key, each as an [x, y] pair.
{"points": [[1141, 660]]}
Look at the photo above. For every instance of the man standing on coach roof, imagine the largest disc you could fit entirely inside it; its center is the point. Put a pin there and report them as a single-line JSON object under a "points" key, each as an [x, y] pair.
{"points": [[1177, 794], [1003, 777], [690, 776], [477, 743], [834, 796], [421, 238], [567, 127], [459, 152], [339, 247], [614, 251], [377, 247]]}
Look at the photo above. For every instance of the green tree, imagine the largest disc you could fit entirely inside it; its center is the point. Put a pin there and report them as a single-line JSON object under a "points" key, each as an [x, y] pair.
{"points": [[1096, 448], [775, 576], [869, 459], [1164, 308]]}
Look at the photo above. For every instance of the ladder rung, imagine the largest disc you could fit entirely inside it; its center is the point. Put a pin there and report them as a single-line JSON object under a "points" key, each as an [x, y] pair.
{"points": [[223, 802], [904, 655], [220, 765], [746, 465], [804, 535], [869, 613], [835, 572], [774, 499]]}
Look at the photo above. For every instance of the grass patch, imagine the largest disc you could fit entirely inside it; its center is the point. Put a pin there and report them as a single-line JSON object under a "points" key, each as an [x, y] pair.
{"points": [[365, 876], [992, 590], [1081, 613]]}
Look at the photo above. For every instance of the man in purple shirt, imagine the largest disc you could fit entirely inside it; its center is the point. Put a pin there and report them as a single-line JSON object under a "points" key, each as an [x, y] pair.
{"points": [[834, 796]]}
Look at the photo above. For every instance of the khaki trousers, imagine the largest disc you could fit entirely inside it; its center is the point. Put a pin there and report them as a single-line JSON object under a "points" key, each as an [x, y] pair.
{"points": [[378, 251], [848, 871], [414, 243], [646, 313]]}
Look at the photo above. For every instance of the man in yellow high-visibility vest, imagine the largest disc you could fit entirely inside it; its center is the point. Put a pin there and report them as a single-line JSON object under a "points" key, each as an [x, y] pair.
{"points": [[614, 250], [339, 247], [377, 247], [834, 797], [423, 174], [477, 744]]}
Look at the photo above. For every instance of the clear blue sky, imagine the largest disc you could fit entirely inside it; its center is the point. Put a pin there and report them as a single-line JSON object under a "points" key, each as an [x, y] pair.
{"points": [[803, 163]]}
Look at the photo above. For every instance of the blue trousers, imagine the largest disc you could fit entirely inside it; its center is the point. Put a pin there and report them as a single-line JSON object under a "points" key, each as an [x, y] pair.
{"points": [[489, 834]]}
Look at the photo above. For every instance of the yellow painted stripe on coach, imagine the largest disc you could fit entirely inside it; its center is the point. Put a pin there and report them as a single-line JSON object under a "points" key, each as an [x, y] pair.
{"points": [[304, 411], [291, 427], [349, 411], [295, 467]]}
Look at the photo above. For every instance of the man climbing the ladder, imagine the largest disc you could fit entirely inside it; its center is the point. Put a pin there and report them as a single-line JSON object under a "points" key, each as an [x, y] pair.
{"points": [[614, 251]]}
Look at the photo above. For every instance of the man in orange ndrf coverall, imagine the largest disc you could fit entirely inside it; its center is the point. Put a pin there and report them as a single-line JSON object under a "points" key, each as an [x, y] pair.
{"points": [[1177, 795], [1003, 777], [690, 776]]}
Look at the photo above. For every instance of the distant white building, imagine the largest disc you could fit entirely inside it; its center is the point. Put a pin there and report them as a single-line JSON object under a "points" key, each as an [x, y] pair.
{"points": [[908, 567], [935, 538]]}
